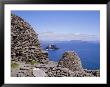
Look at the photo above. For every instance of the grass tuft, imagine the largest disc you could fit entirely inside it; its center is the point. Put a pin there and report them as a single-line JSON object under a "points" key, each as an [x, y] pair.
{"points": [[14, 65], [32, 62]]}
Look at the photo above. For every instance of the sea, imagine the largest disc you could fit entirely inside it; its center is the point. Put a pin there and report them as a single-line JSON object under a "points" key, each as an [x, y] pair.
{"points": [[88, 51]]}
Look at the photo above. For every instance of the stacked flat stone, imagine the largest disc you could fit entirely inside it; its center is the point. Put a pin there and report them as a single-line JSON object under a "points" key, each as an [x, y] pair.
{"points": [[72, 61], [24, 42], [58, 72]]}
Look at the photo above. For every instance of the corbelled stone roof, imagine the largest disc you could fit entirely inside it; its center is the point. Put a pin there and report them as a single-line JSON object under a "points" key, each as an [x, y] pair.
{"points": [[24, 42]]}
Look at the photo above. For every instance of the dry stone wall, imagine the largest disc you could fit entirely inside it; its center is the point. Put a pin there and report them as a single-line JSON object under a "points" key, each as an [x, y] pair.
{"points": [[70, 60], [24, 42]]}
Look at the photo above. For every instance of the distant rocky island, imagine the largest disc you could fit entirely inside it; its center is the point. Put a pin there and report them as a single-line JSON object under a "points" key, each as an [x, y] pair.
{"points": [[51, 47], [29, 60]]}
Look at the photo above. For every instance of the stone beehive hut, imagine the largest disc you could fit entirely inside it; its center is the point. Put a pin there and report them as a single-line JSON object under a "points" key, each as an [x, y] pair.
{"points": [[24, 42], [71, 61]]}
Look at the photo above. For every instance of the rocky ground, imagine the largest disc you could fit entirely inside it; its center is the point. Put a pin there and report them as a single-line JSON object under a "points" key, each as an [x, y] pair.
{"points": [[53, 69], [29, 60]]}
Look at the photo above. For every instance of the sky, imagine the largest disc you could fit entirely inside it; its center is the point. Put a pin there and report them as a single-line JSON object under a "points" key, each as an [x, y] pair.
{"points": [[63, 25]]}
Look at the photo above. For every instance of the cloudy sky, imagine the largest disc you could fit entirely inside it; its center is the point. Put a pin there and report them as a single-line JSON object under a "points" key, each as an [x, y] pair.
{"points": [[64, 25]]}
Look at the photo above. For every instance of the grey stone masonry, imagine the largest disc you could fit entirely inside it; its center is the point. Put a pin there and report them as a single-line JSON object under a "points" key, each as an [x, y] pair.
{"points": [[24, 42]]}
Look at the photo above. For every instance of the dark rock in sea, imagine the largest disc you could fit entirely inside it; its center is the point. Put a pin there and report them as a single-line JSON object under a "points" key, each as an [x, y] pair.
{"points": [[52, 47], [24, 42]]}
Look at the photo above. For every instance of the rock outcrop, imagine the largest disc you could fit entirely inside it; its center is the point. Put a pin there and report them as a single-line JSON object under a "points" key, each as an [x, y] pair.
{"points": [[24, 42], [51, 47]]}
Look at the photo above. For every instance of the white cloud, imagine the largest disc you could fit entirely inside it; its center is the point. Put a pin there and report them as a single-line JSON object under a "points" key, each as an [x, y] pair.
{"points": [[51, 36]]}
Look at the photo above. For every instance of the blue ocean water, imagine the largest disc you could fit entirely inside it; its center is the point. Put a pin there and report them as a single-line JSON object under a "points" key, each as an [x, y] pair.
{"points": [[89, 52]]}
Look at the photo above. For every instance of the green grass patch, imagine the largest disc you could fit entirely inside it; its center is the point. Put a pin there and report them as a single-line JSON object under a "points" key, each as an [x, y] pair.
{"points": [[14, 65], [32, 62]]}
